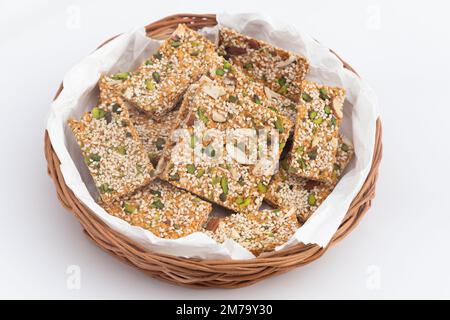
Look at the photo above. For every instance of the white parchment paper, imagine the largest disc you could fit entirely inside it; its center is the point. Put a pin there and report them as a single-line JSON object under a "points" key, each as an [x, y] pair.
{"points": [[127, 51]]}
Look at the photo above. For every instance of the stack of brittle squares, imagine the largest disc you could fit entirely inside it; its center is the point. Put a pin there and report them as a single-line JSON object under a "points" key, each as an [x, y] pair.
{"points": [[233, 125]]}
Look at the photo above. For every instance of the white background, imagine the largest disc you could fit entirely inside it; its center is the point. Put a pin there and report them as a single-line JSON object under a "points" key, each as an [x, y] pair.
{"points": [[400, 249]]}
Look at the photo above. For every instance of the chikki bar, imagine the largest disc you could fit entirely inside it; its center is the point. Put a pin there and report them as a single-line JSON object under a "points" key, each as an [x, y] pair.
{"points": [[289, 191], [112, 151], [257, 231], [157, 85], [164, 210], [224, 101], [316, 132], [279, 70]]}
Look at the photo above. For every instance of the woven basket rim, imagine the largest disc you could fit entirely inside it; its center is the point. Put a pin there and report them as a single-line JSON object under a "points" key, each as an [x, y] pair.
{"points": [[212, 272]]}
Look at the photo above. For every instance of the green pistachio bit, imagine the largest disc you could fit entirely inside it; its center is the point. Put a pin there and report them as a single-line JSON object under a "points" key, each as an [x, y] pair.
{"points": [[108, 116], [149, 84], [202, 116], [196, 200], [302, 163], [333, 121], [156, 193], [157, 204], [319, 120], [344, 147], [159, 143], [306, 97], [239, 201], [220, 72], [232, 99], [190, 168], [312, 155], [193, 141], [195, 53], [215, 180], [194, 43], [256, 99], [323, 94], [121, 150], [279, 125], [299, 149], [174, 177], [282, 145], [223, 197], [336, 167], [327, 109], [104, 188], [121, 76], [273, 109], [129, 208], [227, 65], [224, 184], [156, 76], [175, 44], [282, 81], [157, 55], [262, 188], [291, 106], [94, 157], [312, 199], [152, 156], [283, 89], [98, 113], [200, 173], [248, 65], [276, 211], [149, 62], [245, 202], [270, 234], [312, 115]]}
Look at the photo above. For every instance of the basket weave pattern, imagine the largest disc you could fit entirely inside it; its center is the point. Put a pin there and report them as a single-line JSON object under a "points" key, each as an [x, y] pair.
{"points": [[205, 273]]}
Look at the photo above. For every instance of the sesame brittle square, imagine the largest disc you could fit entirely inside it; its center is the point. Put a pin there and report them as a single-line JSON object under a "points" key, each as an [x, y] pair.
{"points": [[112, 150], [279, 70], [316, 132], [289, 191], [225, 103], [257, 231], [164, 210], [157, 85]]}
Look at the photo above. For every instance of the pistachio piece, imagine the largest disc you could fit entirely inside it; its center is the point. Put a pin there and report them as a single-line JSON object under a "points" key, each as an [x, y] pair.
{"points": [[323, 94], [224, 184], [262, 188], [282, 81], [121, 76], [105, 188], [227, 65], [156, 193], [318, 120], [312, 199], [218, 116], [121, 150], [175, 43], [202, 116], [306, 97], [248, 65], [279, 125], [232, 99], [157, 55], [174, 177], [98, 113], [128, 208], [156, 76], [220, 72], [159, 143], [94, 157], [157, 204], [312, 115], [149, 84], [327, 110], [200, 173], [190, 168]]}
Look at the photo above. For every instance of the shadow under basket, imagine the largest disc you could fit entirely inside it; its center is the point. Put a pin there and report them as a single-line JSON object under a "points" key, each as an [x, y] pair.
{"points": [[206, 273]]}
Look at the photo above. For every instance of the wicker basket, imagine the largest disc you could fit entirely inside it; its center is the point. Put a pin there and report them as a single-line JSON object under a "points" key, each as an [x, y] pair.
{"points": [[205, 273]]}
